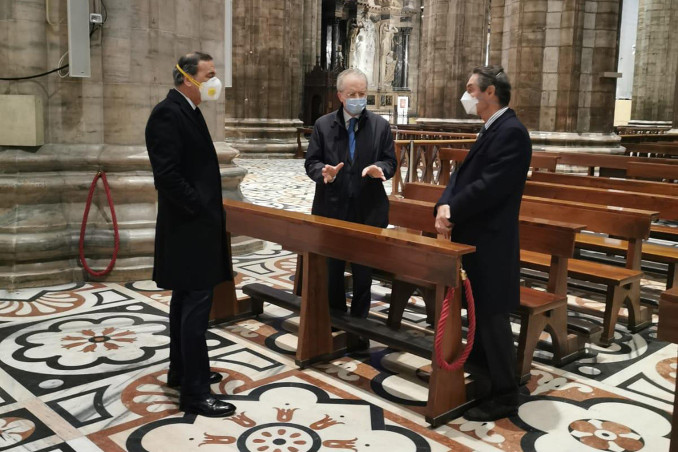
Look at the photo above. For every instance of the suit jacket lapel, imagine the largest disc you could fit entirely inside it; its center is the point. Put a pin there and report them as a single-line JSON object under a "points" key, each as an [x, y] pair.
{"points": [[478, 145], [190, 113]]}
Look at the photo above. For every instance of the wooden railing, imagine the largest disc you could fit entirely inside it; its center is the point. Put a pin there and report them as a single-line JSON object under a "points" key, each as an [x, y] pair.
{"points": [[419, 160]]}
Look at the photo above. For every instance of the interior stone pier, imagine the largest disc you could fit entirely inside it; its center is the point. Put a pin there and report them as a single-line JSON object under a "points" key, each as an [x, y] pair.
{"points": [[453, 41], [656, 61], [561, 57], [92, 124], [264, 105]]}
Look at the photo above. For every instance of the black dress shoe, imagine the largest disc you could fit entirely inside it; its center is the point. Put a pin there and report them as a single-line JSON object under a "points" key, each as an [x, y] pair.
{"points": [[175, 382], [208, 406], [357, 343], [490, 410]]}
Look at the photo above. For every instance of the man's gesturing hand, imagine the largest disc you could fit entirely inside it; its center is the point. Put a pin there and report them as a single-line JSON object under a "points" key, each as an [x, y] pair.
{"points": [[374, 171], [330, 172]]}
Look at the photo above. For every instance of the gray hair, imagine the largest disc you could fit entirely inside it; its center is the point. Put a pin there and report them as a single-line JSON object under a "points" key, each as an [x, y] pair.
{"points": [[346, 73], [189, 64], [494, 75]]}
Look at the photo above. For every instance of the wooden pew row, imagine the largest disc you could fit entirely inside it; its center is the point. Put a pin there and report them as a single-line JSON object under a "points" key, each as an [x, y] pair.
{"points": [[590, 161], [632, 185], [622, 284], [667, 149], [538, 310], [667, 206], [608, 164], [667, 330], [543, 161], [652, 171], [637, 186], [417, 259]]}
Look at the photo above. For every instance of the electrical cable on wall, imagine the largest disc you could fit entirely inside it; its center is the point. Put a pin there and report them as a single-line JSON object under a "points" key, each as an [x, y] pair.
{"points": [[60, 68]]}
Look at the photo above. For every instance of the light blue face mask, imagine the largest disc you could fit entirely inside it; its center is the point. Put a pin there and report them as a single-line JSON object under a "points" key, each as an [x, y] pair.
{"points": [[355, 106]]}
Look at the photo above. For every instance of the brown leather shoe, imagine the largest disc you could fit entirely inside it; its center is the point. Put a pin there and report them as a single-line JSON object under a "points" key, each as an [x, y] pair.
{"points": [[175, 382], [208, 406]]}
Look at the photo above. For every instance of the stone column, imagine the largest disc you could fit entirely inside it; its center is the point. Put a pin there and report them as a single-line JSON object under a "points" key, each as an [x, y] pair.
{"points": [[91, 124], [311, 21], [656, 62], [264, 105], [561, 57], [454, 35]]}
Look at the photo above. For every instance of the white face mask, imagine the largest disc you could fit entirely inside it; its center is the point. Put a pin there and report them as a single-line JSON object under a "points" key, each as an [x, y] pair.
{"points": [[470, 103], [211, 89]]}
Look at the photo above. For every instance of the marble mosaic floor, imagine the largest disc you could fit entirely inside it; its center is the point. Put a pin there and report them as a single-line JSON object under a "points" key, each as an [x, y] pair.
{"points": [[83, 368]]}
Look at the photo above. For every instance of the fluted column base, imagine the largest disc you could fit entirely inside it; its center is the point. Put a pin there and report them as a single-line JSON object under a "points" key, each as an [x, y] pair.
{"points": [[263, 138], [44, 195]]}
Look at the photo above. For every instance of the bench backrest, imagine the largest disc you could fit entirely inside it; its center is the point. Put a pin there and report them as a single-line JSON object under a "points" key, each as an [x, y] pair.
{"points": [[655, 171], [414, 257], [543, 161], [605, 160], [640, 186], [667, 206], [555, 238]]}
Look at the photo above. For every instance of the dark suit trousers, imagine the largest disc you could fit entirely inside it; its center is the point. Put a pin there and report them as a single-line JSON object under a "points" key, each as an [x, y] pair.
{"points": [[189, 317], [362, 280], [494, 356]]}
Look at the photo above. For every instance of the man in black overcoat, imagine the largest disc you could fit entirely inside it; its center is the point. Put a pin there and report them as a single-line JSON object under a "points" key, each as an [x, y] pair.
{"points": [[350, 154], [480, 207], [191, 253]]}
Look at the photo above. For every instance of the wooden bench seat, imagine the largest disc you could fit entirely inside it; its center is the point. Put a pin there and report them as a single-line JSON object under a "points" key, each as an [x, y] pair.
{"points": [[538, 311], [622, 285], [618, 281], [651, 252], [418, 259]]}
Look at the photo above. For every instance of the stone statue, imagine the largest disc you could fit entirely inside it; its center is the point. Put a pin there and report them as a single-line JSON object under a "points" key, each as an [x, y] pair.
{"points": [[365, 45], [386, 33], [389, 73]]}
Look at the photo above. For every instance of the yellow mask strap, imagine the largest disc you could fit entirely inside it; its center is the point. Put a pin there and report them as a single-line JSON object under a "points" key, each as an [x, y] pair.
{"points": [[191, 79]]}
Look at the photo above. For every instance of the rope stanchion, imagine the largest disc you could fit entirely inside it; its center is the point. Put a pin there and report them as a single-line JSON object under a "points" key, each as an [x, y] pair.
{"points": [[83, 227], [458, 363]]}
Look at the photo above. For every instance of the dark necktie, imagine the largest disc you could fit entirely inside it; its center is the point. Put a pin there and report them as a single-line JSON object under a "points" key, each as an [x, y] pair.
{"points": [[482, 131], [351, 136]]}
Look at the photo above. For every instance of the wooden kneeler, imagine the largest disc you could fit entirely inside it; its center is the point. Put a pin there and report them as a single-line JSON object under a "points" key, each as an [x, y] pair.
{"points": [[412, 258]]}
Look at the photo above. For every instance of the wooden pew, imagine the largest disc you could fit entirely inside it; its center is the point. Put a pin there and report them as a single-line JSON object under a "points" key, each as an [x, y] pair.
{"points": [[412, 258], [632, 185], [623, 284], [606, 161], [652, 171], [667, 149], [667, 206], [538, 311], [637, 186], [543, 161], [667, 330]]}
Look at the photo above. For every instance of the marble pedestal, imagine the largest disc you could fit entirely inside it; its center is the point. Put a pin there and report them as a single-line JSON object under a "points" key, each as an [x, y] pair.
{"points": [[263, 138], [44, 191]]}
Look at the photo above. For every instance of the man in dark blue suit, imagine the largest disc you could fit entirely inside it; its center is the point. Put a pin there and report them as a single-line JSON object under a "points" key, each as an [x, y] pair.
{"points": [[480, 207], [191, 251], [350, 154]]}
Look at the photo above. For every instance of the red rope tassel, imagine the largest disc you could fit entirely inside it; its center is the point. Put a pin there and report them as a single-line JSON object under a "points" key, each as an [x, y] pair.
{"points": [[83, 227], [458, 363]]}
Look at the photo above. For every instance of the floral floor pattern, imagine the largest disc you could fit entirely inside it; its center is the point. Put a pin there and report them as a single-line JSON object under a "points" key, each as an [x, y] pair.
{"points": [[83, 368]]}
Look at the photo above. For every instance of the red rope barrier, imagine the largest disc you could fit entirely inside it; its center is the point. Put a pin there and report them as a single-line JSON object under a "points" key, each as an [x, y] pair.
{"points": [[458, 363], [83, 227]]}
